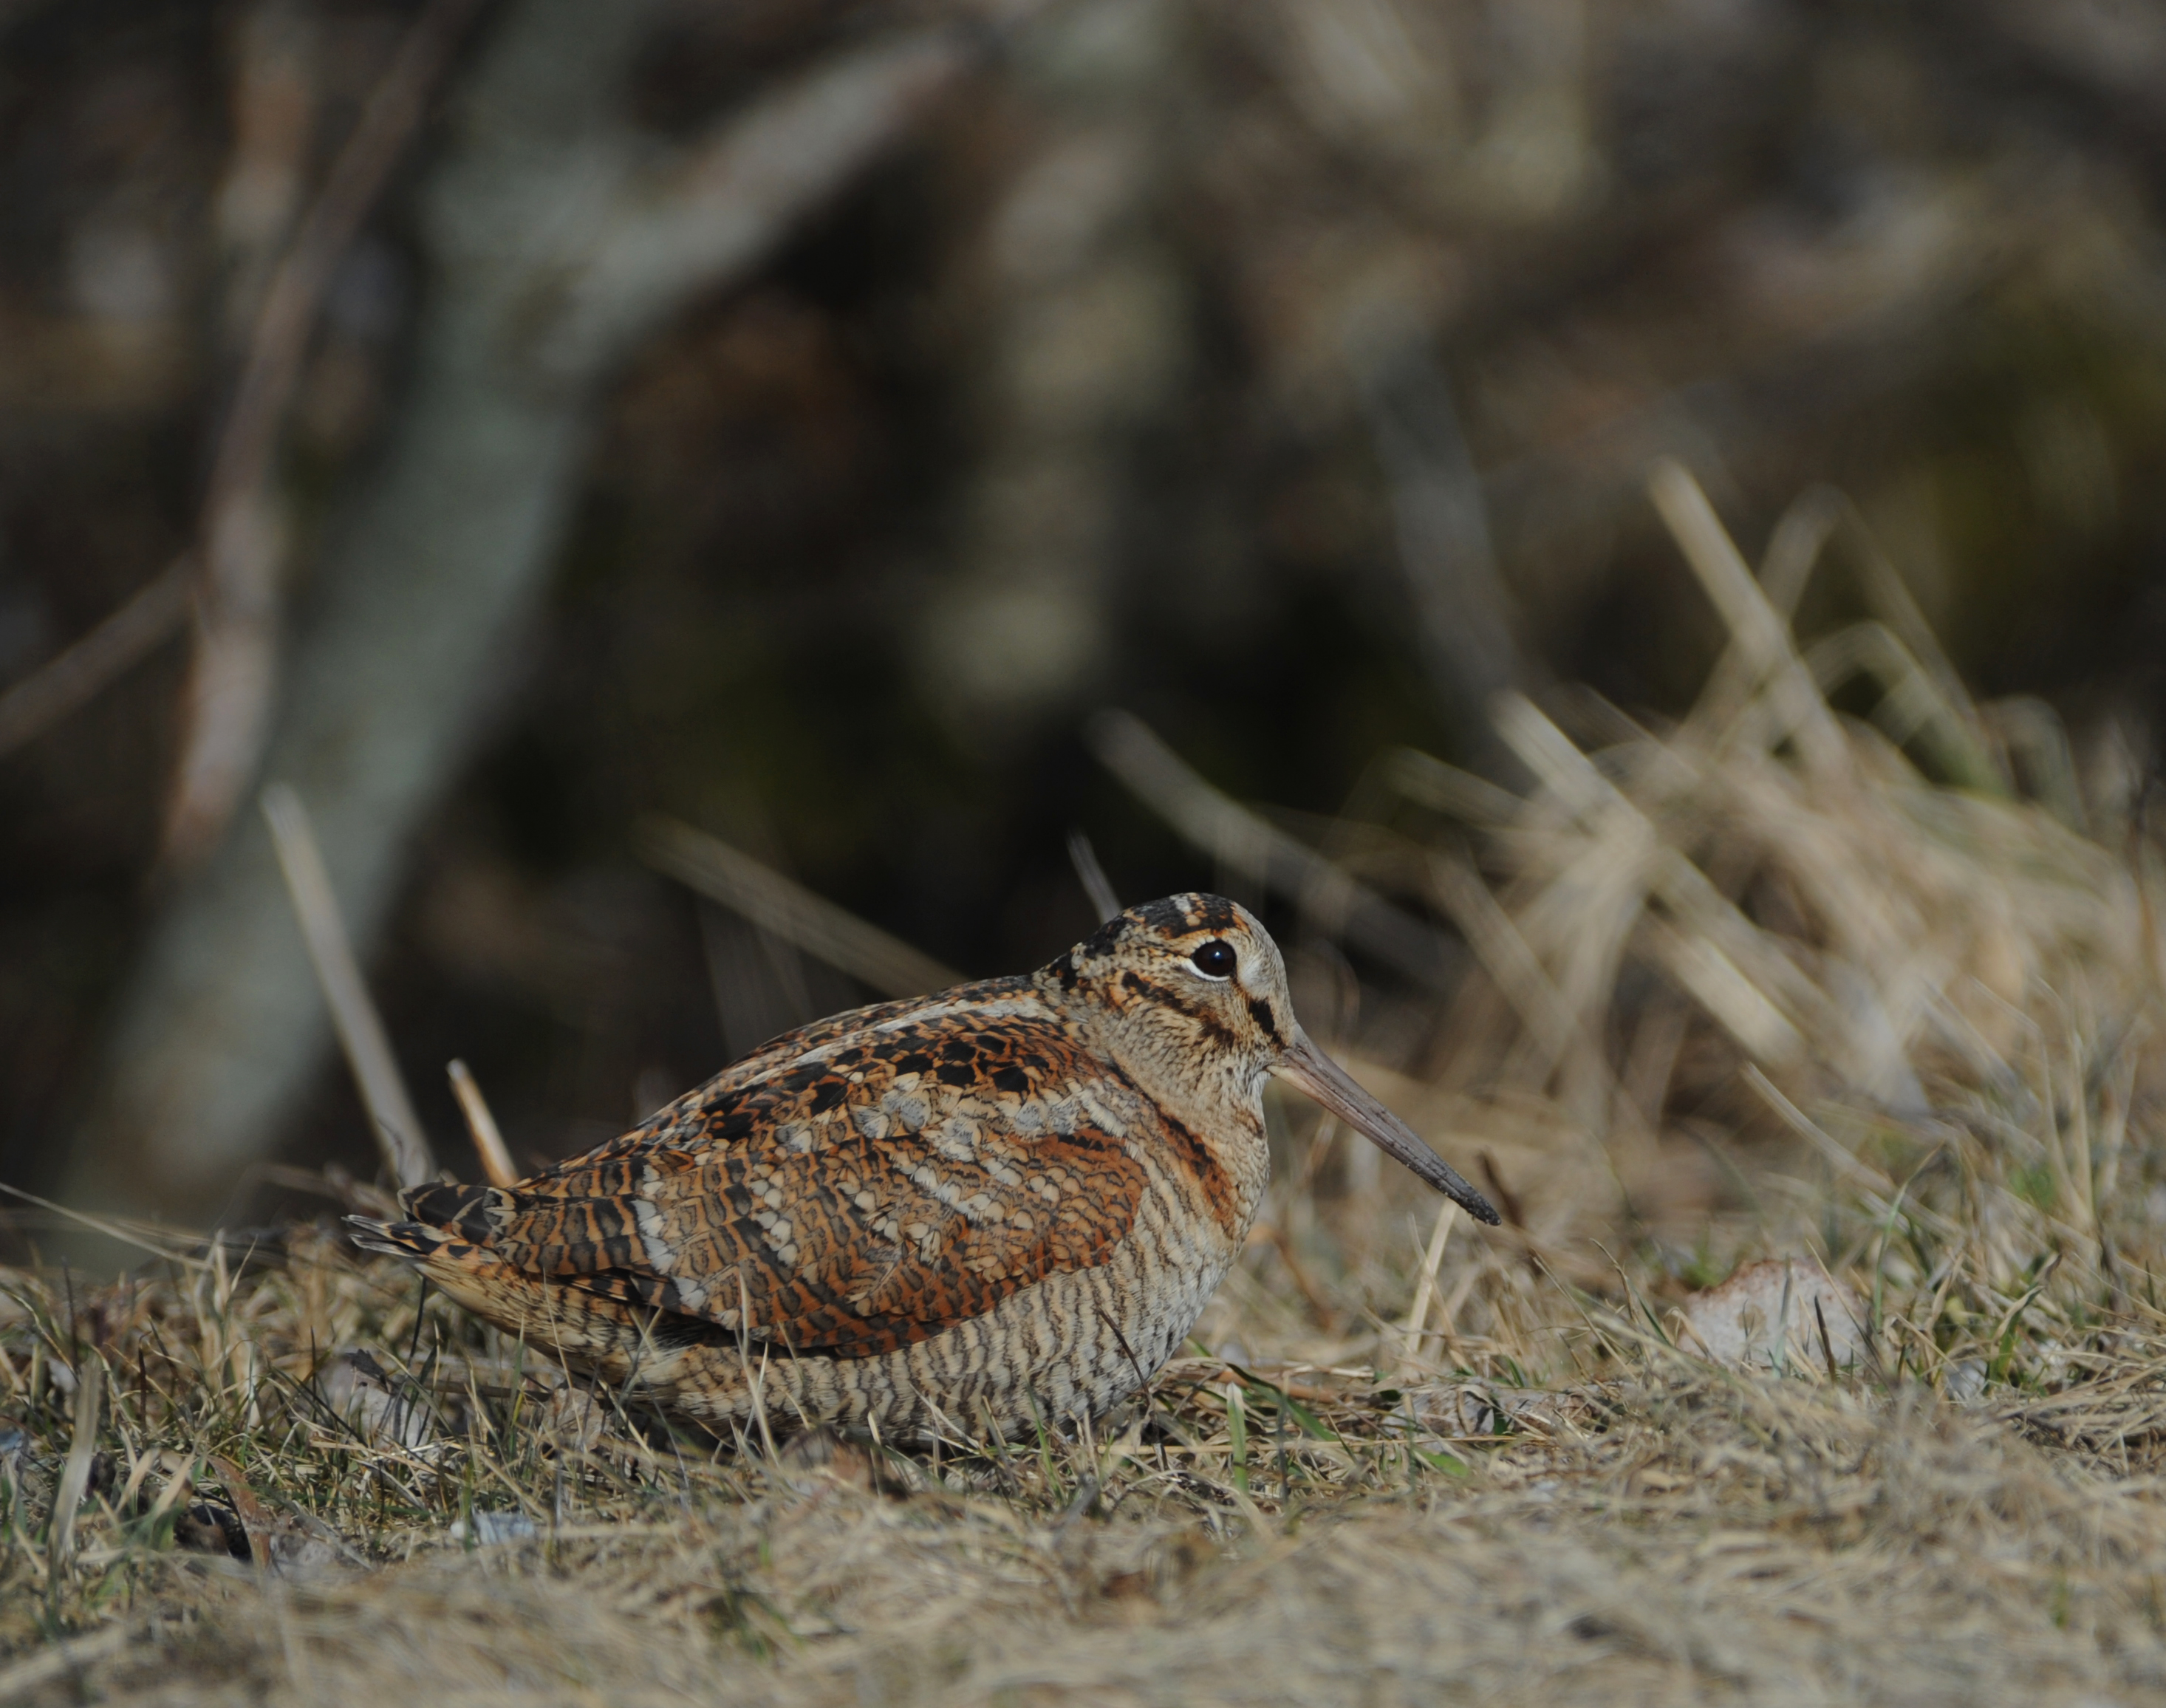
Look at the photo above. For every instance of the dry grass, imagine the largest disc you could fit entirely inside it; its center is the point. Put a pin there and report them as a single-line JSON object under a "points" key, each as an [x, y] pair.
{"points": [[1769, 982]]}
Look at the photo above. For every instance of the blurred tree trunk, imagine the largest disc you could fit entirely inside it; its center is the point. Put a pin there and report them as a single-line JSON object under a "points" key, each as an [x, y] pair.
{"points": [[1086, 344], [557, 236]]}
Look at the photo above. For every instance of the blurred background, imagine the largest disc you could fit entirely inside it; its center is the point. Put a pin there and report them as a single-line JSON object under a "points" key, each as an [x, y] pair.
{"points": [[500, 420]]}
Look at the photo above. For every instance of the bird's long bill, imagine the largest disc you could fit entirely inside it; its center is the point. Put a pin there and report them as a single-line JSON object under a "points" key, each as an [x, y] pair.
{"points": [[1331, 1086]]}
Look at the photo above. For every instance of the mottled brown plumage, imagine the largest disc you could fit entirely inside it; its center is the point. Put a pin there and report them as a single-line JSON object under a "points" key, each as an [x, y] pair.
{"points": [[1005, 1203]]}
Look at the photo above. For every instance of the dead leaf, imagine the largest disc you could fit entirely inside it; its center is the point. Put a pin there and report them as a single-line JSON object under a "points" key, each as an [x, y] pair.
{"points": [[1781, 1312]]}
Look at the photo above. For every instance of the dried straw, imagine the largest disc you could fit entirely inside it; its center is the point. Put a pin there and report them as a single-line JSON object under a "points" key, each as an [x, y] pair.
{"points": [[1769, 982]]}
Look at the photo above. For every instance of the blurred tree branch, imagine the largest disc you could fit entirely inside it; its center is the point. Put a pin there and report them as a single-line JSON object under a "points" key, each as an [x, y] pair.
{"points": [[77, 675], [226, 705], [712, 209], [559, 235]]}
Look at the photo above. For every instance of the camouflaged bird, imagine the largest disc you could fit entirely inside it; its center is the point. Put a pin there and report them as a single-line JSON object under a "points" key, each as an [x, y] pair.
{"points": [[1003, 1202]]}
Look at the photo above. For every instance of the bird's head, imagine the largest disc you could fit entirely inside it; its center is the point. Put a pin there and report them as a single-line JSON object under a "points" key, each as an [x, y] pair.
{"points": [[1189, 995]]}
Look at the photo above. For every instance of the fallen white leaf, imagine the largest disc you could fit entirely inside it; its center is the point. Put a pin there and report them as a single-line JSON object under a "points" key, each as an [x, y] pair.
{"points": [[1780, 1313]]}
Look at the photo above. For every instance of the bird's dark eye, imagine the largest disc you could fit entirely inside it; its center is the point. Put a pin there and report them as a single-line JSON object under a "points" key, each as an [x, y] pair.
{"points": [[1215, 959]]}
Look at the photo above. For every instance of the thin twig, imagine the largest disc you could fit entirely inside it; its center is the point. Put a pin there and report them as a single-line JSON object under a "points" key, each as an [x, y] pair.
{"points": [[1266, 856], [1431, 783], [1755, 627], [1425, 1288], [1092, 876], [76, 677], [1444, 548], [1320, 1306], [75, 1474], [142, 1235], [1495, 938], [255, 1517], [290, 301], [360, 1032], [226, 704], [481, 1126], [731, 194], [791, 910]]}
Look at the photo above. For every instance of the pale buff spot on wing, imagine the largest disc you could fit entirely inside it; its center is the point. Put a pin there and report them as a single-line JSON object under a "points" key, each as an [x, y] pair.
{"points": [[1028, 1116], [653, 1229], [872, 1123], [907, 1109], [956, 1138]]}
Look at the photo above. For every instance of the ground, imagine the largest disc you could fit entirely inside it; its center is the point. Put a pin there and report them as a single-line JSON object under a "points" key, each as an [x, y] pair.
{"points": [[1770, 987]]}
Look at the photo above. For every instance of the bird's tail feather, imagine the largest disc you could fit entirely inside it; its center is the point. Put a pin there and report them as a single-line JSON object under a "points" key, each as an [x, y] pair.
{"points": [[413, 1240]]}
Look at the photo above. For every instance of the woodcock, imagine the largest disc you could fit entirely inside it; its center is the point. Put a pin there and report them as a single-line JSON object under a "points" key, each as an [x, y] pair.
{"points": [[1003, 1202]]}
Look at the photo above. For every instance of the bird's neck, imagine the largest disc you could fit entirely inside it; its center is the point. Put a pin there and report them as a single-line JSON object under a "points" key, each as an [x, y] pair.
{"points": [[1213, 1093]]}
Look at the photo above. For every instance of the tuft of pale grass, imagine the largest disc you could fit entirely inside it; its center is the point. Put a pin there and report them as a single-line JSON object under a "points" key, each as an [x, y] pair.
{"points": [[1774, 981]]}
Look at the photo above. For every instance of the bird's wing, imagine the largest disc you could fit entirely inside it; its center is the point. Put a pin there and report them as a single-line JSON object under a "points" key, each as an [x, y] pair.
{"points": [[906, 1171]]}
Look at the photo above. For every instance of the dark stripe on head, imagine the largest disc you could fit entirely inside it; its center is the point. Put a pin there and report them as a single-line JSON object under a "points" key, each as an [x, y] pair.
{"points": [[1103, 940], [1174, 916], [1261, 1010]]}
